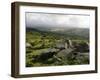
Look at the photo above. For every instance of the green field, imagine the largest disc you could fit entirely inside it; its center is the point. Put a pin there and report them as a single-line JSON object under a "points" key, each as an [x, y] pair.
{"points": [[42, 49]]}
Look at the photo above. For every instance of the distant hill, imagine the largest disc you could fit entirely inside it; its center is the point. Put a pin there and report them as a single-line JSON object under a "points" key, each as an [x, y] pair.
{"points": [[66, 31]]}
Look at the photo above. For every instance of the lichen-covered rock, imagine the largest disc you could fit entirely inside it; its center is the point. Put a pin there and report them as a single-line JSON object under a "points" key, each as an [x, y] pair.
{"points": [[28, 45]]}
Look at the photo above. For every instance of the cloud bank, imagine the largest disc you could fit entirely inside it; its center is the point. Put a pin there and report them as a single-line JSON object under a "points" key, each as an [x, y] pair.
{"points": [[56, 20]]}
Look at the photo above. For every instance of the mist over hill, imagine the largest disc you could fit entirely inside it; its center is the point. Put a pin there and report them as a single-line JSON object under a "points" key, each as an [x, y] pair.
{"points": [[82, 32]]}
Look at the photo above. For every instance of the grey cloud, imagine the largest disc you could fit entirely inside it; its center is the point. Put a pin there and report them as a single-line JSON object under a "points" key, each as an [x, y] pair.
{"points": [[56, 20]]}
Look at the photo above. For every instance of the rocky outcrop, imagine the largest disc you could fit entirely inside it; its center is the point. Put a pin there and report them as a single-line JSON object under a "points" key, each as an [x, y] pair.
{"points": [[68, 43], [73, 53]]}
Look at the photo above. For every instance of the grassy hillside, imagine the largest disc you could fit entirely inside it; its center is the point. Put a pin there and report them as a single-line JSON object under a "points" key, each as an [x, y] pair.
{"points": [[41, 48]]}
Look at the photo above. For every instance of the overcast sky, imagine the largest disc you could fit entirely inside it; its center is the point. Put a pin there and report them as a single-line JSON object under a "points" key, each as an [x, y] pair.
{"points": [[56, 20]]}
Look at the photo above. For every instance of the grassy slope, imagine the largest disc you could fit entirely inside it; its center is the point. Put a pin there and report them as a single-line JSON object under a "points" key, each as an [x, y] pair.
{"points": [[41, 40]]}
